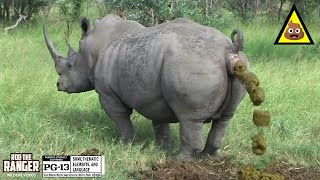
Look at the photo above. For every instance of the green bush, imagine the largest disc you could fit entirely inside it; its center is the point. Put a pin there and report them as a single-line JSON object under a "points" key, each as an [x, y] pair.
{"points": [[10, 9], [71, 9], [154, 12]]}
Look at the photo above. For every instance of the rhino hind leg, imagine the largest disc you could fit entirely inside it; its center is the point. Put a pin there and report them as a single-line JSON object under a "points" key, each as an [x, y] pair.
{"points": [[120, 115], [162, 134], [219, 126], [191, 139], [216, 137]]}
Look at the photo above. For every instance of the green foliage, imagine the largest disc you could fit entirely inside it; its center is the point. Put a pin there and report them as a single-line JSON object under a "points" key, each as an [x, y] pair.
{"points": [[77, 8], [29, 8], [244, 9], [207, 12], [197, 13], [146, 12], [155, 12], [312, 7], [71, 9]]}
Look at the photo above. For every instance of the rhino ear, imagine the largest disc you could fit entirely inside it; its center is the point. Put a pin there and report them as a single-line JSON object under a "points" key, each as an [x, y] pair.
{"points": [[85, 25]]}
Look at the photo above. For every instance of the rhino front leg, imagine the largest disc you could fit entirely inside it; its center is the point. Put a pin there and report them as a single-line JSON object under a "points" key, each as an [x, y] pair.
{"points": [[120, 114], [191, 139], [162, 134]]}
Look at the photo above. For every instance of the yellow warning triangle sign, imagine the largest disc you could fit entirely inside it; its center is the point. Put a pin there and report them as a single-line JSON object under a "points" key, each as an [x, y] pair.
{"points": [[293, 30]]}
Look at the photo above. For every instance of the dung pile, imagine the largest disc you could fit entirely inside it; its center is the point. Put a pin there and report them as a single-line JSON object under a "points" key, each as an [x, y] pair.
{"points": [[250, 173], [256, 93], [194, 170], [215, 169]]}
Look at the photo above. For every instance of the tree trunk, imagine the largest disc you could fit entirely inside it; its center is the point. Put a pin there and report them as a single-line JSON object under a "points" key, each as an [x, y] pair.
{"points": [[6, 6], [280, 9], [244, 9], [207, 8], [255, 7], [173, 8], [1, 11], [300, 6], [16, 8], [23, 7]]}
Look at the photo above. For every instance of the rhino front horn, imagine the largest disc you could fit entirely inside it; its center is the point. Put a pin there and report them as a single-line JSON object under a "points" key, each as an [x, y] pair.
{"points": [[54, 53]]}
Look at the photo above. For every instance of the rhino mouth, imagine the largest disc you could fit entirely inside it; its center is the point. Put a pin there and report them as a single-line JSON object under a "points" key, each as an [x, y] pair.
{"points": [[65, 89], [62, 87]]}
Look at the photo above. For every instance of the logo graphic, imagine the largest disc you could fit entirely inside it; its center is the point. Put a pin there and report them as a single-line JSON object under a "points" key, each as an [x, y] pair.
{"points": [[73, 166], [293, 30], [21, 162]]}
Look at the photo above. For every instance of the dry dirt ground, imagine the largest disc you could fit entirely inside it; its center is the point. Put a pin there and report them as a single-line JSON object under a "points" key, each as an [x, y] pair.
{"points": [[224, 169]]}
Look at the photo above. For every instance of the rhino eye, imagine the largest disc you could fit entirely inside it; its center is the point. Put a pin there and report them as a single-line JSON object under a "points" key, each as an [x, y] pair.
{"points": [[69, 66]]}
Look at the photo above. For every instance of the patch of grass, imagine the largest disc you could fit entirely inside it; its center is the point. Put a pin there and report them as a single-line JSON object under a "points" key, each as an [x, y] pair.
{"points": [[291, 91], [35, 117]]}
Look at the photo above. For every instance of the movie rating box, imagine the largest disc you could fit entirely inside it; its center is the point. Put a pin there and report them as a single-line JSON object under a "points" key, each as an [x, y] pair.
{"points": [[73, 166]]}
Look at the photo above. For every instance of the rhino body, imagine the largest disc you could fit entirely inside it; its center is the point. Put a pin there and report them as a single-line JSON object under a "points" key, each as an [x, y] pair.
{"points": [[173, 72]]}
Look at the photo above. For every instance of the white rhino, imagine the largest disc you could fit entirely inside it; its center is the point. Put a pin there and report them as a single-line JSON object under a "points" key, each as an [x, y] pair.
{"points": [[178, 71]]}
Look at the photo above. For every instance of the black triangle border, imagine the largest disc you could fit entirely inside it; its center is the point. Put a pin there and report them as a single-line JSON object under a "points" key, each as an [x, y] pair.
{"points": [[294, 8]]}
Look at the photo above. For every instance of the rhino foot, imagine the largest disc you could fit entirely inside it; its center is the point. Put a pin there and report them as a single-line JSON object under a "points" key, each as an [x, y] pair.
{"points": [[184, 157], [165, 145], [208, 156], [126, 140]]}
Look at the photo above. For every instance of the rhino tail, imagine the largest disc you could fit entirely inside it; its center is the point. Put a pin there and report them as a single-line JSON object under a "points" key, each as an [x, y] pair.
{"points": [[235, 64], [238, 42]]}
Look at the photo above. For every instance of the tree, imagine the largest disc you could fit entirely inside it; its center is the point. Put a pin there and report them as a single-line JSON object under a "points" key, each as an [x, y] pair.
{"points": [[280, 9], [244, 9], [147, 12], [14, 8], [300, 6]]}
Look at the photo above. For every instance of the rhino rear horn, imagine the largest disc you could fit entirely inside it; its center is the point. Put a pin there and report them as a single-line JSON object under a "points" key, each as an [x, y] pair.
{"points": [[239, 43], [71, 50], [67, 38], [54, 53]]}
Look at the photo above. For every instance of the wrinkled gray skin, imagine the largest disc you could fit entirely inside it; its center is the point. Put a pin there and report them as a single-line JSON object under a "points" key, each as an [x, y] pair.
{"points": [[172, 72]]}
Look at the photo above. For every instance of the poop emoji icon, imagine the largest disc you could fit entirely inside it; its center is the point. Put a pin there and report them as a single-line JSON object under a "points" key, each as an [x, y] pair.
{"points": [[294, 31]]}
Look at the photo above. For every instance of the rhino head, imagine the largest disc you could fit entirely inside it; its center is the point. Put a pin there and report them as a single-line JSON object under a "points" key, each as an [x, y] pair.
{"points": [[73, 69]]}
